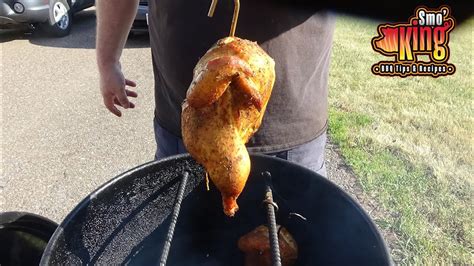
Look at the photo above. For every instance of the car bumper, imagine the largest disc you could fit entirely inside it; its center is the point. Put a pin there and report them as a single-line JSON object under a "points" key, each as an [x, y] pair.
{"points": [[140, 24], [35, 11]]}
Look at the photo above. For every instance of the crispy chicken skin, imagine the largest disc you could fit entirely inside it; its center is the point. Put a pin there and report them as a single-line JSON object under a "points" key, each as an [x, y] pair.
{"points": [[256, 247], [224, 107]]}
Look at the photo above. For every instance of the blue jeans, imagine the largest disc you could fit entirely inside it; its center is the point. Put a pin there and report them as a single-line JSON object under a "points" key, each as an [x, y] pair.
{"points": [[310, 154]]}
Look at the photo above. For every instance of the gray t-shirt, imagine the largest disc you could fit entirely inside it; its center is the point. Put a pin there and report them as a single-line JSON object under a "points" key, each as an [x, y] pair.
{"points": [[299, 40]]}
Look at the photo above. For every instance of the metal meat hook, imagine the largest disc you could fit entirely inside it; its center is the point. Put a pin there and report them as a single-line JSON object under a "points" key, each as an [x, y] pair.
{"points": [[235, 17]]}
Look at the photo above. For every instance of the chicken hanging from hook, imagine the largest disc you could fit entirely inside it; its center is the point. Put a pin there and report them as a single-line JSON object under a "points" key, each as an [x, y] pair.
{"points": [[224, 107]]}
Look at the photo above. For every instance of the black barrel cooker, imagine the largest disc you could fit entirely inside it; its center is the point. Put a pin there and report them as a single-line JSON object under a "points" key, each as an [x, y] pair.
{"points": [[126, 221], [23, 237]]}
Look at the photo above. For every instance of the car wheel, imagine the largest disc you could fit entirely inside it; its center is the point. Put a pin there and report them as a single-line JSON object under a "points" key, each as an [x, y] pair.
{"points": [[60, 18]]}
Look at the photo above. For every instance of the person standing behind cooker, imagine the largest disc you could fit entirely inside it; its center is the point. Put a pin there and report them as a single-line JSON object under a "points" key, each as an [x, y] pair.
{"points": [[299, 40]]}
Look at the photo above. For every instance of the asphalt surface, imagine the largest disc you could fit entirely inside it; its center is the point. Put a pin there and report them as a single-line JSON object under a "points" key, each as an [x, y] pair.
{"points": [[59, 143]]}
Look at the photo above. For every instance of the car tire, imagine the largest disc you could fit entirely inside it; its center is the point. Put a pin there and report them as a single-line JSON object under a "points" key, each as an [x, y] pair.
{"points": [[60, 18]]}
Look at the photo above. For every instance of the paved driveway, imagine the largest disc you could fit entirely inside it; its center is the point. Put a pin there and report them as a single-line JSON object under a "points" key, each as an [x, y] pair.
{"points": [[58, 141]]}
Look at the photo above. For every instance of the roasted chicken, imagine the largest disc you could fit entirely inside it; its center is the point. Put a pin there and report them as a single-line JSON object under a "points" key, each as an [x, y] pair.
{"points": [[224, 107], [256, 247]]}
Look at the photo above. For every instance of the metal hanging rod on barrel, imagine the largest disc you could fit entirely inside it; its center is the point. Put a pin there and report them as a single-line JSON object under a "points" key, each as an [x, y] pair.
{"points": [[174, 218], [271, 207]]}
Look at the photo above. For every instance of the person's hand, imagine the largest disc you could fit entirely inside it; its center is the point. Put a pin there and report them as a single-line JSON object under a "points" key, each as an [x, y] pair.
{"points": [[113, 88]]}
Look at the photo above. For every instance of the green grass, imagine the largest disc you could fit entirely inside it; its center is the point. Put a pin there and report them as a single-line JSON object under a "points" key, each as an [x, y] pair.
{"points": [[409, 141]]}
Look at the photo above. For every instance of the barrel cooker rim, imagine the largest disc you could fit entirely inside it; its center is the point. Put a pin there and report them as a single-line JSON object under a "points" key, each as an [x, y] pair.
{"points": [[351, 199], [83, 203], [28, 222], [15, 225]]}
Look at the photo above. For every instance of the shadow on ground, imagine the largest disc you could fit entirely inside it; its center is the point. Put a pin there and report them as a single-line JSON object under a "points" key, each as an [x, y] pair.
{"points": [[82, 35]]}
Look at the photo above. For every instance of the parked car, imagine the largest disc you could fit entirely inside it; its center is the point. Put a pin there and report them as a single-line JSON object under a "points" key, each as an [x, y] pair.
{"points": [[54, 16], [140, 24]]}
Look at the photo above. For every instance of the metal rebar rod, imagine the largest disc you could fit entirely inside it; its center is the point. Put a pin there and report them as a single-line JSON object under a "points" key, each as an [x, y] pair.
{"points": [[271, 219], [174, 218]]}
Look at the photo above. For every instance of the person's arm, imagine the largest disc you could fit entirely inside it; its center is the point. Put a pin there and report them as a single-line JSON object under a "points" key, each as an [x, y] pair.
{"points": [[114, 20]]}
